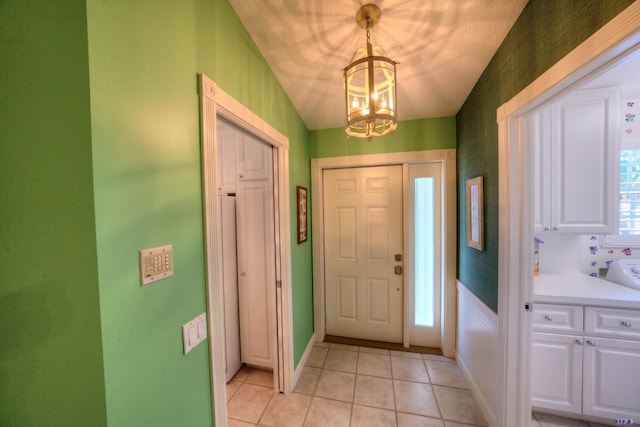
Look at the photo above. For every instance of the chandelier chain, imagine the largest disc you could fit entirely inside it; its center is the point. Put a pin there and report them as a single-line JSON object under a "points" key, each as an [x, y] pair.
{"points": [[368, 28]]}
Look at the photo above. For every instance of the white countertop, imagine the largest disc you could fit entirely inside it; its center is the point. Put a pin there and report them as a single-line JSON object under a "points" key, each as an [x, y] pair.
{"points": [[582, 289]]}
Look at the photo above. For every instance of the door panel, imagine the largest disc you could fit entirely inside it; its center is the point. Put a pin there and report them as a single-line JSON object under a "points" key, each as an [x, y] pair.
{"points": [[363, 232], [256, 266], [230, 279]]}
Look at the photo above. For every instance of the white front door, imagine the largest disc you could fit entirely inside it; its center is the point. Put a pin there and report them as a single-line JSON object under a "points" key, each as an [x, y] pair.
{"points": [[363, 238]]}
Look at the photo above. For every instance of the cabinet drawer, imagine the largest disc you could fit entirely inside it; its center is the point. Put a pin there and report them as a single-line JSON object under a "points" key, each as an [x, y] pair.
{"points": [[615, 322], [557, 318]]}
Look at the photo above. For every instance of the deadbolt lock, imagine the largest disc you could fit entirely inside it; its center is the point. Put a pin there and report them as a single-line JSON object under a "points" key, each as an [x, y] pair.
{"points": [[398, 269], [398, 257]]}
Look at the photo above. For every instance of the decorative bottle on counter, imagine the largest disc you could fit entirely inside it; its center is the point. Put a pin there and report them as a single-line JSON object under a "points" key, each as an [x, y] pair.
{"points": [[536, 256]]}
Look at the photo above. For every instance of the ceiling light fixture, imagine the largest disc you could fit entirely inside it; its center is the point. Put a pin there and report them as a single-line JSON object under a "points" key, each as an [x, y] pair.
{"points": [[370, 85]]}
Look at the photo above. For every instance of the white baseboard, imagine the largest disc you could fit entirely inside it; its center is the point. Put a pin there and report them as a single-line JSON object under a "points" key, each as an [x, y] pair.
{"points": [[303, 361]]}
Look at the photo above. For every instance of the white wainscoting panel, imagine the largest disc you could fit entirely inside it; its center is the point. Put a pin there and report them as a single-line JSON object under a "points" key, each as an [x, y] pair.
{"points": [[478, 350]]}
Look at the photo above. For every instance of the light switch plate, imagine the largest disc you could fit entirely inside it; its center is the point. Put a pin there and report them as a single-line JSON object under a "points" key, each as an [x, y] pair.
{"points": [[155, 264], [194, 332]]}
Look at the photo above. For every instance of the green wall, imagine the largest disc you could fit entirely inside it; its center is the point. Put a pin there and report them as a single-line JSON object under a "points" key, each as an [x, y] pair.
{"points": [[545, 32], [411, 135], [51, 368], [144, 60]]}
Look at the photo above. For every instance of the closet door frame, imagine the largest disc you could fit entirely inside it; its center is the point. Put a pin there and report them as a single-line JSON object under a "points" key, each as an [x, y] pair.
{"points": [[215, 102]]}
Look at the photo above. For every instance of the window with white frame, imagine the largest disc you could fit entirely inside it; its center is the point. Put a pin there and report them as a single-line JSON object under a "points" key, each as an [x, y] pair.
{"points": [[629, 197]]}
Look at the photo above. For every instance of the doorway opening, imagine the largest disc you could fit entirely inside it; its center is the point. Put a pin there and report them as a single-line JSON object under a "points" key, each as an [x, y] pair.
{"points": [[216, 103], [613, 43], [412, 164], [245, 195]]}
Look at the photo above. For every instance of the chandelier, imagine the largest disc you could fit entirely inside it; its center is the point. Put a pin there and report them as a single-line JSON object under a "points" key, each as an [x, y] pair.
{"points": [[370, 85]]}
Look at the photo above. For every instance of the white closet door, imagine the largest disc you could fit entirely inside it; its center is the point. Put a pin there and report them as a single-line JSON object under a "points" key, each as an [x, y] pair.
{"points": [[256, 267], [230, 280]]}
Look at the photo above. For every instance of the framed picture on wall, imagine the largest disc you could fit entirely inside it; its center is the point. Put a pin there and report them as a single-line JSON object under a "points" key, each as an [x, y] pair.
{"points": [[301, 195], [475, 216]]}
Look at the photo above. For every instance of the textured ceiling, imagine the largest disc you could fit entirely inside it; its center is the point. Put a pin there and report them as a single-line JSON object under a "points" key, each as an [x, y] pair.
{"points": [[442, 47]]}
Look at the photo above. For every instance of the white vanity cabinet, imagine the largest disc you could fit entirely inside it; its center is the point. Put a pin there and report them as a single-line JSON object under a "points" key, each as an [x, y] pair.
{"points": [[586, 361], [576, 163]]}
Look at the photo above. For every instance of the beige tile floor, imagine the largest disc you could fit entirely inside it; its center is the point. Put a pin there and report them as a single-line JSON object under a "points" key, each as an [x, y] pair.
{"points": [[345, 385]]}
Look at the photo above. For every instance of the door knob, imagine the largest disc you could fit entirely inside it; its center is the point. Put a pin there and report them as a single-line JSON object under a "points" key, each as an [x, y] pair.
{"points": [[398, 269], [398, 257]]}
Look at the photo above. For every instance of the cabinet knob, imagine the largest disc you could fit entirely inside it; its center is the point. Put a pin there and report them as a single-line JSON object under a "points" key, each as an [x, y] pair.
{"points": [[579, 341], [546, 229], [625, 323], [556, 228], [549, 318], [591, 343]]}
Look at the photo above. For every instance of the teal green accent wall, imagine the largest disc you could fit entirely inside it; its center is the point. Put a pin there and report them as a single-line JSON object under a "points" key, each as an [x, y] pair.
{"points": [[51, 366], [545, 32], [411, 135], [144, 60]]}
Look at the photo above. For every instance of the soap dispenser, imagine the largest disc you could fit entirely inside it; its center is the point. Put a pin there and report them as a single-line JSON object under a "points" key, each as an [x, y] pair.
{"points": [[536, 256]]}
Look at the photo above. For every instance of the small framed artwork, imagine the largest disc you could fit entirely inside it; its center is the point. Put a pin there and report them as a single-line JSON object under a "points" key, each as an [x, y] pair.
{"points": [[475, 216], [301, 195]]}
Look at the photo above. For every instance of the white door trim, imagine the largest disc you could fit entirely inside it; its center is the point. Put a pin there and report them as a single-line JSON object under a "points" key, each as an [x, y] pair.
{"points": [[214, 101], [449, 223], [515, 275]]}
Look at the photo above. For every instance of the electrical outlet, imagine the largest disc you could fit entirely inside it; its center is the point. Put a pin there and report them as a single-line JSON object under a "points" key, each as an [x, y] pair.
{"points": [[155, 264]]}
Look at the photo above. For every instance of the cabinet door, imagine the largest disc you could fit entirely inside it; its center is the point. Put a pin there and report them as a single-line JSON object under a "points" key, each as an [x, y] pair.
{"points": [[227, 157], [585, 162], [254, 158], [612, 378], [556, 372], [539, 129]]}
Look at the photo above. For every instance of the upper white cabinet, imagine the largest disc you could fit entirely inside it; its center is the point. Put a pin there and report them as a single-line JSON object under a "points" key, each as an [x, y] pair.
{"points": [[227, 157], [254, 158], [241, 157], [576, 163]]}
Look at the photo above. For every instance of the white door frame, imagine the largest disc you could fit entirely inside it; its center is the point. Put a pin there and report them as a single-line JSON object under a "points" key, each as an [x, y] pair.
{"points": [[515, 276], [449, 226], [214, 102]]}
